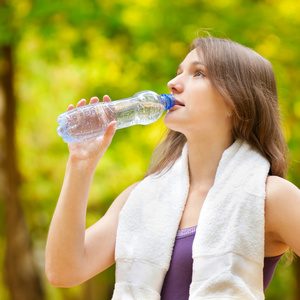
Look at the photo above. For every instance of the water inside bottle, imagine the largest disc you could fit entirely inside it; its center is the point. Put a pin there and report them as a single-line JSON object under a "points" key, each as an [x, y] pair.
{"points": [[134, 112]]}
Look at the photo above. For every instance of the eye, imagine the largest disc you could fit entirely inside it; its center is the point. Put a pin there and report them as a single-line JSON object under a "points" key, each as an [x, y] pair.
{"points": [[199, 73]]}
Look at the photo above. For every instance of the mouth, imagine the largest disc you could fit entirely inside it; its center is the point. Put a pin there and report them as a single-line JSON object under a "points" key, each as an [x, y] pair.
{"points": [[179, 103]]}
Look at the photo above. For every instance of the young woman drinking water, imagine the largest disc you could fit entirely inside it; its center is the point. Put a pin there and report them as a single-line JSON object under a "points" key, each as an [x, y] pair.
{"points": [[213, 214]]}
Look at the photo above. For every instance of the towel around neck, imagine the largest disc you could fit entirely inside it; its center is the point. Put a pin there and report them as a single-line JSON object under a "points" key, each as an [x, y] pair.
{"points": [[228, 250]]}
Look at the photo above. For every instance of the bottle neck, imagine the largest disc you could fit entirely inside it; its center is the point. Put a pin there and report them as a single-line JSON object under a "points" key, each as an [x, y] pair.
{"points": [[167, 100]]}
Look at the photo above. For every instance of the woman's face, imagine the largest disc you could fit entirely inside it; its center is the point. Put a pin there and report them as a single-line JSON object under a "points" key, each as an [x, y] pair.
{"points": [[203, 110]]}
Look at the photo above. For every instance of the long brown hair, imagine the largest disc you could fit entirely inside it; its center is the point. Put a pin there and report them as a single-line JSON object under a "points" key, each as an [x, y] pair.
{"points": [[247, 83]]}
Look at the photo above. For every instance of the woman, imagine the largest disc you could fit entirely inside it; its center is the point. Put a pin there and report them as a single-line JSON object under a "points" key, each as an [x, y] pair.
{"points": [[221, 166]]}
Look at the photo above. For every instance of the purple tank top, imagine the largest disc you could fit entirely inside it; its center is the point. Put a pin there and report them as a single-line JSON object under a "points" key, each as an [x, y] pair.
{"points": [[179, 277]]}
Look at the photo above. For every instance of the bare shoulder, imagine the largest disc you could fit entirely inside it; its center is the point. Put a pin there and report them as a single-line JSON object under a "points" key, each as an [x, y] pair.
{"points": [[281, 192], [283, 211], [278, 188]]}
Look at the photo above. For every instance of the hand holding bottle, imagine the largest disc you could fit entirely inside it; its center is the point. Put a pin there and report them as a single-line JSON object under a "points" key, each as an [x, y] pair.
{"points": [[91, 151]]}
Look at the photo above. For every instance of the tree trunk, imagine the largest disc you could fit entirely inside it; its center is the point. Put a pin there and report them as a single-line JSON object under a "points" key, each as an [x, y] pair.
{"points": [[20, 273]]}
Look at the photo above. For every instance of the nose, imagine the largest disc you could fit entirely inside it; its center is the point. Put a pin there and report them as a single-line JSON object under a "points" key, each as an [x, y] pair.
{"points": [[175, 85]]}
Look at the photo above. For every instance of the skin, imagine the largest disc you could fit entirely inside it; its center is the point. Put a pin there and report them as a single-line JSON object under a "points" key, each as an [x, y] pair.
{"points": [[75, 254]]}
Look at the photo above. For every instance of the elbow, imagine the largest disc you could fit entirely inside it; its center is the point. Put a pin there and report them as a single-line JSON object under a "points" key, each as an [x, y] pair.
{"points": [[52, 278], [57, 278]]}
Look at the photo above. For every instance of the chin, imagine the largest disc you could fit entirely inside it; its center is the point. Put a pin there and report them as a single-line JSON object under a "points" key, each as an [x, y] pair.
{"points": [[173, 126], [169, 118]]}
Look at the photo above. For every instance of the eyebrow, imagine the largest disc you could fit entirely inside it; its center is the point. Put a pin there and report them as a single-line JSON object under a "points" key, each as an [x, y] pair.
{"points": [[194, 63]]}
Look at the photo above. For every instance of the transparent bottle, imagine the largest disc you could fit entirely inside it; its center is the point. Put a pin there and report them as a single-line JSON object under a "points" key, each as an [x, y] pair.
{"points": [[90, 121]]}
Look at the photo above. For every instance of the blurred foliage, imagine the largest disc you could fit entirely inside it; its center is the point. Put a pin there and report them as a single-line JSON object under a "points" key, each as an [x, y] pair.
{"points": [[68, 50]]}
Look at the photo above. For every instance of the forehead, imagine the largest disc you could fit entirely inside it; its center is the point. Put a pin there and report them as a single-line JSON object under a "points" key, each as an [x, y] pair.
{"points": [[193, 57]]}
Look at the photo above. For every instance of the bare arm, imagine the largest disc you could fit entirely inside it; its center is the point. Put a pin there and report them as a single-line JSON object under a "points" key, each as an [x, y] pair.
{"points": [[282, 215], [74, 254]]}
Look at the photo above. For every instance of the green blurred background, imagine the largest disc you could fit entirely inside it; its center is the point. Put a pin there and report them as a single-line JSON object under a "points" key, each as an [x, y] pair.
{"points": [[55, 52]]}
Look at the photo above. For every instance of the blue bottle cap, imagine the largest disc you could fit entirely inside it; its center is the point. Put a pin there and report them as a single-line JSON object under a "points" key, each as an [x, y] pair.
{"points": [[167, 100]]}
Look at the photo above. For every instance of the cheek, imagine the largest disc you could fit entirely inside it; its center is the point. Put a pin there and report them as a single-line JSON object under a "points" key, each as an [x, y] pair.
{"points": [[218, 105], [212, 111]]}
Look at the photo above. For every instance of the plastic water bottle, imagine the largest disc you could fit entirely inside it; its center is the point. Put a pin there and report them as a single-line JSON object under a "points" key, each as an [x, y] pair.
{"points": [[90, 121]]}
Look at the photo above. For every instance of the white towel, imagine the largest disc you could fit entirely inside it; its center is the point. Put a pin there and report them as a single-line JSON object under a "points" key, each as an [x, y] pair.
{"points": [[228, 249]]}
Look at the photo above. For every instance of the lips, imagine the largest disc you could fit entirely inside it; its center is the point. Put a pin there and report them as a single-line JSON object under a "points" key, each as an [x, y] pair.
{"points": [[179, 103]]}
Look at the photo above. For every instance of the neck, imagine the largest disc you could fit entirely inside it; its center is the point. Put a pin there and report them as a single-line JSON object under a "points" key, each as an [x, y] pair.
{"points": [[204, 158]]}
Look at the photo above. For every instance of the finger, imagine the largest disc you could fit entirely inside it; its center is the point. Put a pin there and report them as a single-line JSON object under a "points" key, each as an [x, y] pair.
{"points": [[109, 134], [110, 130], [94, 100], [106, 98], [81, 103], [71, 106]]}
